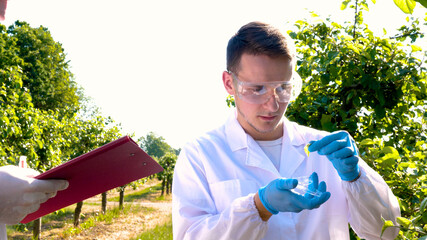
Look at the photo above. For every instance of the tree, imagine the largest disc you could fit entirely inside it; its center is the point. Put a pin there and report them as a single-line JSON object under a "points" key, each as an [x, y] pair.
{"points": [[89, 135], [39, 103], [407, 6], [165, 155], [375, 88], [45, 69], [363, 79], [154, 145], [168, 163]]}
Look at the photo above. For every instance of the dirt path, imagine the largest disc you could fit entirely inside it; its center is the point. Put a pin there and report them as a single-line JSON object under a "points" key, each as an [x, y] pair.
{"points": [[144, 214], [131, 225]]}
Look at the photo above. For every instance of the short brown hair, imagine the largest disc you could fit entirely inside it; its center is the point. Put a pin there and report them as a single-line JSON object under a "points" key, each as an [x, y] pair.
{"points": [[257, 38]]}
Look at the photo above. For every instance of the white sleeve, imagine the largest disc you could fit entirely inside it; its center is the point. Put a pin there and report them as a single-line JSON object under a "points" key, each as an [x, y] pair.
{"points": [[369, 198], [194, 214]]}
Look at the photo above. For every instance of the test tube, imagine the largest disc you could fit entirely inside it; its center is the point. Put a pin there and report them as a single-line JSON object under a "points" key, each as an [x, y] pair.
{"points": [[23, 162]]}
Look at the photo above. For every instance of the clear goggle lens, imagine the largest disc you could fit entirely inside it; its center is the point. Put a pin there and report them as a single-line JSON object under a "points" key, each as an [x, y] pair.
{"points": [[260, 93]]}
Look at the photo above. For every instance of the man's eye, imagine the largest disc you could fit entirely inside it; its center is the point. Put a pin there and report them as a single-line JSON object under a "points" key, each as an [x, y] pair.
{"points": [[284, 87], [257, 89]]}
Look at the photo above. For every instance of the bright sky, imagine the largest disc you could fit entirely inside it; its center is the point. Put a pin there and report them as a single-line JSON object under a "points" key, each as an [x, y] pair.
{"points": [[157, 65]]}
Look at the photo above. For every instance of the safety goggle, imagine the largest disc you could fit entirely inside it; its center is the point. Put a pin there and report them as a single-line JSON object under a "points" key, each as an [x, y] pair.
{"points": [[260, 93]]}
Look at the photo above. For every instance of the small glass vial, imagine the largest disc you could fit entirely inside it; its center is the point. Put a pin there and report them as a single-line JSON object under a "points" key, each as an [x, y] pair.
{"points": [[302, 187], [23, 162]]}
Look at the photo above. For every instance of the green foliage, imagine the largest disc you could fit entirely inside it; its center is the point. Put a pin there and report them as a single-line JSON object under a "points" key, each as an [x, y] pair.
{"points": [[408, 6], [39, 102], [367, 85], [406, 174], [168, 163], [411, 31], [375, 88], [154, 145], [45, 71], [230, 101], [165, 155]]}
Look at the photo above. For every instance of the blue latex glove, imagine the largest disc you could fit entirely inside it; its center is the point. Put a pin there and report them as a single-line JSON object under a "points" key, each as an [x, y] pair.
{"points": [[340, 148], [277, 197]]}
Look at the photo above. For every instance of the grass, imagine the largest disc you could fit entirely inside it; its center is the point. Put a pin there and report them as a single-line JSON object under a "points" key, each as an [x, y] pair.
{"points": [[107, 218], [61, 221], [146, 193], [56, 219], [160, 232]]}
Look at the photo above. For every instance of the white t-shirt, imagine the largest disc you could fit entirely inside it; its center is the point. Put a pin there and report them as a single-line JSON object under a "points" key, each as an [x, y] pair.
{"points": [[273, 150]]}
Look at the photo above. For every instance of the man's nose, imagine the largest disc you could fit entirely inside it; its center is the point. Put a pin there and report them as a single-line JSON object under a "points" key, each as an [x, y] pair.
{"points": [[272, 103]]}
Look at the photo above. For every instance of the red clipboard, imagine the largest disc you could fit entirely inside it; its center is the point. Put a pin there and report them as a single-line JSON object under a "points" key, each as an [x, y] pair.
{"points": [[112, 165]]}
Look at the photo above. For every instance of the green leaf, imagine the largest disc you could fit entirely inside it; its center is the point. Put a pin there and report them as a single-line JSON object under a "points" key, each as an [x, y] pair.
{"points": [[364, 6], [423, 205], [367, 142], [386, 225], [388, 162], [39, 144], [344, 4], [420, 143], [314, 15], [380, 111], [352, 47], [424, 217], [403, 221], [336, 25], [407, 6], [390, 150], [326, 122], [407, 165], [5, 120], [416, 48], [422, 2]]}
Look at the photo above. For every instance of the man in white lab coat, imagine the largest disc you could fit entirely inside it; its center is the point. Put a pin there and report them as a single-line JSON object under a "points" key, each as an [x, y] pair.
{"points": [[239, 181]]}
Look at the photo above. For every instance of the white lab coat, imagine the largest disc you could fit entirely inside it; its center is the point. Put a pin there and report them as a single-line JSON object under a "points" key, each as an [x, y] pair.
{"points": [[217, 175]]}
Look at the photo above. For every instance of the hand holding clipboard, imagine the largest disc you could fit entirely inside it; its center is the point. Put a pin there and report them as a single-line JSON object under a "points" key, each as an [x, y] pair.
{"points": [[112, 165]]}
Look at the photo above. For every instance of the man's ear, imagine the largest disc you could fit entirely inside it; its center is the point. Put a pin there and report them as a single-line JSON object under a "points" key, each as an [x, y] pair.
{"points": [[227, 80]]}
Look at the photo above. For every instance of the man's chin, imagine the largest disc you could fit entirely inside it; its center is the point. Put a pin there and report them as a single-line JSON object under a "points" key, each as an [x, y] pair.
{"points": [[267, 128]]}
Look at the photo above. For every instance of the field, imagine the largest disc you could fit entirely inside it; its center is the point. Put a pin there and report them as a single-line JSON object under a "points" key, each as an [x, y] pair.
{"points": [[146, 215]]}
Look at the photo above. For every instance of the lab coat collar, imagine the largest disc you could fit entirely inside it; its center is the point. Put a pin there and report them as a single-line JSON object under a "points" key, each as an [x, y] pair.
{"points": [[236, 136], [238, 139], [290, 132]]}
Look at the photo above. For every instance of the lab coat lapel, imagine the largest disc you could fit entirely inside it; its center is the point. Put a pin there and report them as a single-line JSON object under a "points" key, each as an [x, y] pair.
{"points": [[292, 150], [239, 140], [255, 157]]}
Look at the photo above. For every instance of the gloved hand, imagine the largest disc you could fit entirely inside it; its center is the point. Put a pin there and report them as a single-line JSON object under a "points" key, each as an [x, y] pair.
{"points": [[277, 197], [20, 194], [340, 148]]}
